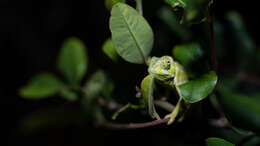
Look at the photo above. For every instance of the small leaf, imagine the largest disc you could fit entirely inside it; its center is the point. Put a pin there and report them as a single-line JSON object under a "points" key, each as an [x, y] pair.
{"points": [[213, 141], [72, 61], [196, 90], [41, 86], [131, 34], [110, 3], [169, 18], [110, 50], [68, 94], [147, 87], [195, 11], [97, 85], [187, 53]]}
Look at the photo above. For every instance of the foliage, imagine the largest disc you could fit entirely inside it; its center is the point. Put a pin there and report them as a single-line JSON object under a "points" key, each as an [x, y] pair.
{"points": [[213, 141], [178, 81]]}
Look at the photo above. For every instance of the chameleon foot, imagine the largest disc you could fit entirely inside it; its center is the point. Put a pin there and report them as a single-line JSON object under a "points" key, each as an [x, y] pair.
{"points": [[174, 114], [172, 117]]}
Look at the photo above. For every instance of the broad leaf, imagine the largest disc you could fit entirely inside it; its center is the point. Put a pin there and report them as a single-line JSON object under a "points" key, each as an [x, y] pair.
{"points": [[147, 87], [41, 86], [213, 141], [196, 90], [131, 34], [110, 3], [72, 60], [186, 54], [242, 111], [110, 50]]}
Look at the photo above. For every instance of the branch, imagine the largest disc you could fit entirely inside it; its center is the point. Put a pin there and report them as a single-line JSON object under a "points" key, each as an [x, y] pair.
{"points": [[222, 122], [164, 105], [134, 125]]}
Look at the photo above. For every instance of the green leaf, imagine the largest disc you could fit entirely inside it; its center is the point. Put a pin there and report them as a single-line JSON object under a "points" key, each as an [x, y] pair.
{"points": [[241, 110], [213, 141], [110, 3], [131, 34], [186, 54], [196, 90], [243, 41], [147, 87], [68, 94], [110, 50], [41, 86], [97, 85], [72, 61], [176, 3]]}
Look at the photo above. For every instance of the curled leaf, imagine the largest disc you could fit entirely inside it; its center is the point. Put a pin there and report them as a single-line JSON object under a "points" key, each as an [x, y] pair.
{"points": [[196, 90]]}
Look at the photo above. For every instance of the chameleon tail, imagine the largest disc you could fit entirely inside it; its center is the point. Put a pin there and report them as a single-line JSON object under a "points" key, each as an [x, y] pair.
{"points": [[125, 107]]}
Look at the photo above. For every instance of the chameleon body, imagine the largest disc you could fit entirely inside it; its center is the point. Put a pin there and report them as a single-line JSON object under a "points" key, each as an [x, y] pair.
{"points": [[169, 73]]}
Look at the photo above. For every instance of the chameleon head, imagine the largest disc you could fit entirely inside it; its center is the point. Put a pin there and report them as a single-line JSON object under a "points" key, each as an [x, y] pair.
{"points": [[163, 68]]}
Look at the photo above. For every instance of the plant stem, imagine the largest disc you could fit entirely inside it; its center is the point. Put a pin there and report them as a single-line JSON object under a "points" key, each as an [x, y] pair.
{"points": [[212, 38], [139, 6], [135, 125], [165, 105]]}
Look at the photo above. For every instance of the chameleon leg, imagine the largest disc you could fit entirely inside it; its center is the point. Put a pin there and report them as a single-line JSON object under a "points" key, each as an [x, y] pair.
{"points": [[174, 113]]}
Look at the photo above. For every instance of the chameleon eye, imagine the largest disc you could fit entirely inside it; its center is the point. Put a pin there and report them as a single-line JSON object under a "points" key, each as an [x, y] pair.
{"points": [[168, 66]]}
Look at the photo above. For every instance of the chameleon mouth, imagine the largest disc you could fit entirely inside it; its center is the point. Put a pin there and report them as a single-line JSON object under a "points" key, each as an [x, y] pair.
{"points": [[167, 73]]}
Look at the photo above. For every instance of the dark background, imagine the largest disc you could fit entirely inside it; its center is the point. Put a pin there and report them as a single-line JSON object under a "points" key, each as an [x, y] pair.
{"points": [[31, 34]]}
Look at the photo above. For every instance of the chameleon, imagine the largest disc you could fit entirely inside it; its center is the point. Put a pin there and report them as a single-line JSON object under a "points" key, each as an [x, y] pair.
{"points": [[167, 72], [170, 73]]}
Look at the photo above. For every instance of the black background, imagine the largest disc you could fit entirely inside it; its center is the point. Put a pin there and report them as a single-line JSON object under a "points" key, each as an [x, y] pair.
{"points": [[31, 33]]}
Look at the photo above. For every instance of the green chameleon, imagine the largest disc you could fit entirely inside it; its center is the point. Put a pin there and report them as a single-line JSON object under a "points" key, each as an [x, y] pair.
{"points": [[167, 72]]}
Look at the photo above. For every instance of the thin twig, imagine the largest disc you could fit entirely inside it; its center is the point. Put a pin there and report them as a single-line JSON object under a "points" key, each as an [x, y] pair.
{"points": [[212, 38], [139, 6], [135, 125]]}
